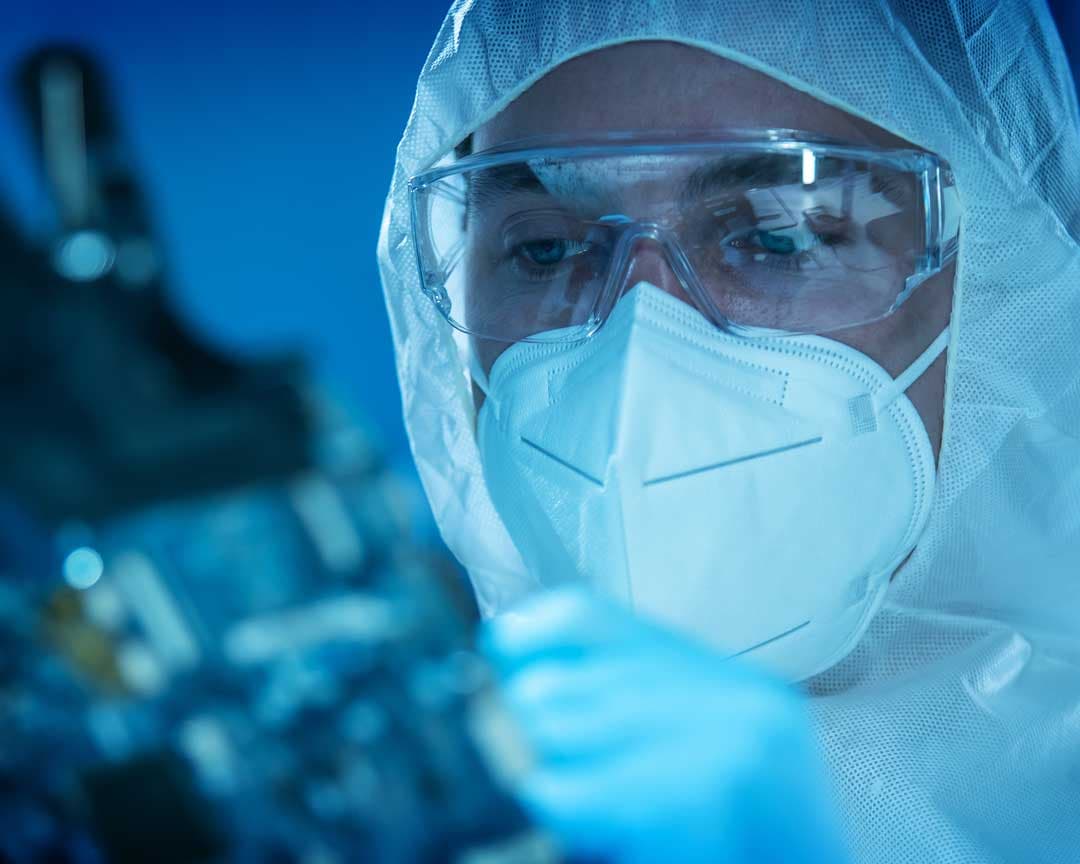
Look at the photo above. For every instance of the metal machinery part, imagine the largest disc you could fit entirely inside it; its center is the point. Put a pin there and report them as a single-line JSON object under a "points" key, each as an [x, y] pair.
{"points": [[219, 638]]}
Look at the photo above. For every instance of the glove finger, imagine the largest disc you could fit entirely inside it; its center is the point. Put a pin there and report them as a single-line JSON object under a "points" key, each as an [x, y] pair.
{"points": [[569, 710], [568, 623], [626, 805]]}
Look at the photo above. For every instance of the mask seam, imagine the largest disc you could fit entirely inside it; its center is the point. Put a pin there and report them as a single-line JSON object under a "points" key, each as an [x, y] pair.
{"points": [[701, 340], [830, 356], [670, 331], [827, 357], [704, 336]]}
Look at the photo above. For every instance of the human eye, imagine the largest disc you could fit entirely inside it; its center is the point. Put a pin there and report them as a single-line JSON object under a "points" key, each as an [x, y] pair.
{"points": [[545, 257], [542, 247]]}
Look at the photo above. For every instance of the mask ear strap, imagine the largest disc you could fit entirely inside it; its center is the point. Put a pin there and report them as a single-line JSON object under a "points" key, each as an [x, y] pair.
{"points": [[884, 397]]}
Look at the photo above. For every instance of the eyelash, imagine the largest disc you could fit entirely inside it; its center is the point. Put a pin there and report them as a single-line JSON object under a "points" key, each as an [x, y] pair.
{"points": [[532, 271]]}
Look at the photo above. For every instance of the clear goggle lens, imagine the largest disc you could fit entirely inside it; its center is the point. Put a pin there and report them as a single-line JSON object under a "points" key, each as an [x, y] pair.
{"points": [[781, 236]]}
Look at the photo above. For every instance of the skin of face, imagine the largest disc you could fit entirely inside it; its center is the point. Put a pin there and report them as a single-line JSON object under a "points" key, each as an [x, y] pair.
{"points": [[665, 86]]}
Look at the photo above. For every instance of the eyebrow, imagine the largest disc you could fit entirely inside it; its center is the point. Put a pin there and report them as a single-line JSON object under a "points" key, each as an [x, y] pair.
{"points": [[741, 173], [731, 172], [503, 180]]}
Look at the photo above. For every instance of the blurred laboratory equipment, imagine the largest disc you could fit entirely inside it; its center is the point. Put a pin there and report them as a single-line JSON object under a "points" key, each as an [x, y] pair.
{"points": [[220, 639]]}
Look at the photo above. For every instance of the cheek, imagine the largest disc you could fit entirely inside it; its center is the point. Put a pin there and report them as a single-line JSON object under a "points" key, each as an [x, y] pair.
{"points": [[487, 352]]}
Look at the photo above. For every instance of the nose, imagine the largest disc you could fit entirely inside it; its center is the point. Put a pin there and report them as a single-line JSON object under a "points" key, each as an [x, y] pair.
{"points": [[649, 262]]}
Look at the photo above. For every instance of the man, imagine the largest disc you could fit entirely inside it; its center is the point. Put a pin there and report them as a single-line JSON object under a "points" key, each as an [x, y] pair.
{"points": [[761, 319]]}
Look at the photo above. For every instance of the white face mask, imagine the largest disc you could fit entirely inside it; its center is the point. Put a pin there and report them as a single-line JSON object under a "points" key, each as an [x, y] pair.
{"points": [[758, 494]]}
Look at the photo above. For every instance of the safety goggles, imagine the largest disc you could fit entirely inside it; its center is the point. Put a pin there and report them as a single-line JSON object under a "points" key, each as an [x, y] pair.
{"points": [[764, 232]]}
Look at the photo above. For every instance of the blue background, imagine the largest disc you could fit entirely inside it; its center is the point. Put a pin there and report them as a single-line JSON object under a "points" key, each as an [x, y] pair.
{"points": [[265, 133]]}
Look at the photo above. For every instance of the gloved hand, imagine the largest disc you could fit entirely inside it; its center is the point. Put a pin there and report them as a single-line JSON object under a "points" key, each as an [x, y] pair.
{"points": [[651, 747]]}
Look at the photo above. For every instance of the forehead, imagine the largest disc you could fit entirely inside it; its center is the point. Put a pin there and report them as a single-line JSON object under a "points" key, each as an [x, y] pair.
{"points": [[666, 86], [625, 182]]}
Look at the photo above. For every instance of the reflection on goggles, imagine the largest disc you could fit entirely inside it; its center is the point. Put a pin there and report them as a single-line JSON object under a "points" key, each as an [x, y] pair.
{"points": [[789, 240]]}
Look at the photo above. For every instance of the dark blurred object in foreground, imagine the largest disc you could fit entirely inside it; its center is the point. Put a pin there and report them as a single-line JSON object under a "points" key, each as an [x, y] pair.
{"points": [[218, 640], [109, 401]]}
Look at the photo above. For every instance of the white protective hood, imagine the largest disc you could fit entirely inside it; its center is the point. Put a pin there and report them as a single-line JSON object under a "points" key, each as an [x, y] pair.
{"points": [[953, 730]]}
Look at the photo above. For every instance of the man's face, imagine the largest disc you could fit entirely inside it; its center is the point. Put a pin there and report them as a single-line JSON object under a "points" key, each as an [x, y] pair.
{"points": [[664, 86]]}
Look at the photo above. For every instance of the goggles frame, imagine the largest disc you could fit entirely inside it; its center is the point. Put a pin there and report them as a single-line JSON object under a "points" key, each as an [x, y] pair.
{"points": [[940, 203]]}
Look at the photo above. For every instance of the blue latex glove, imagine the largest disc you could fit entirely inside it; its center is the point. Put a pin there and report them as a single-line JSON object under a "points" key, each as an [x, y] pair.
{"points": [[651, 747]]}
